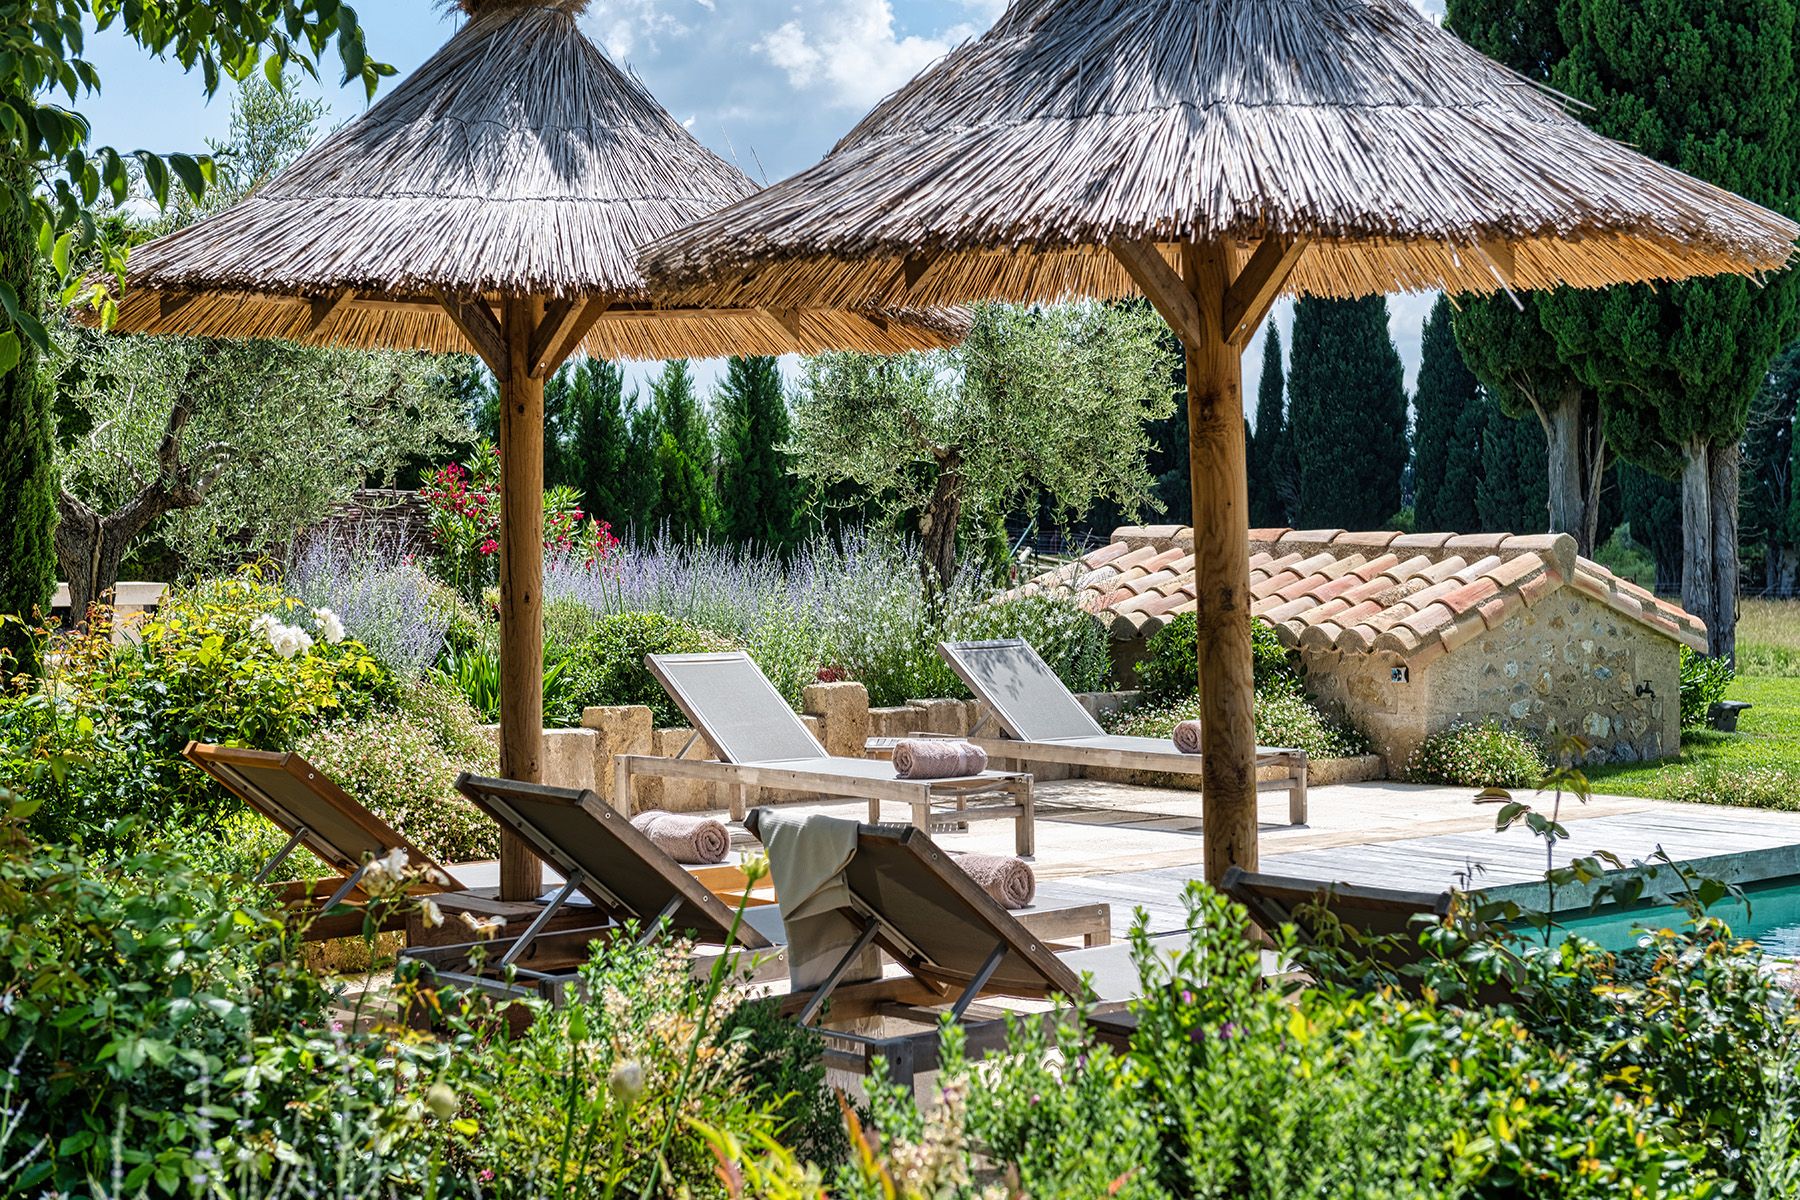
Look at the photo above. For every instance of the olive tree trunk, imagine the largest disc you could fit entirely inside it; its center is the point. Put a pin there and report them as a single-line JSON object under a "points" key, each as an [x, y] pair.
{"points": [[938, 521]]}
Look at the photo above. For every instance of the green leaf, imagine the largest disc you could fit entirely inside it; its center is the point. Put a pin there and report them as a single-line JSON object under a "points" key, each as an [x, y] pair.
{"points": [[156, 176], [9, 350], [192, 177], [59, 254]]}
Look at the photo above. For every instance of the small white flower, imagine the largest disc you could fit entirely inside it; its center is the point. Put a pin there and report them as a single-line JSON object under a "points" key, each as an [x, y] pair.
{"points": [[266, 625], [432, 915], [330, 627], [289, 640]]}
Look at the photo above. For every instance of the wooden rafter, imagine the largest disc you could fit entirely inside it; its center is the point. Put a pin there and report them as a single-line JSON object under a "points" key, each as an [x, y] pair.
{"points": [[574, 333], [1163, 286], [478, 323], [1253, 293], [559, 316], [326, 307]]}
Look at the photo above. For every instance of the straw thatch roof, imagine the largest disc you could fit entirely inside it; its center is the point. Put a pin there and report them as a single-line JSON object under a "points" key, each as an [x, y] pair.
{"points": [[517, 160], [1403, 158]]}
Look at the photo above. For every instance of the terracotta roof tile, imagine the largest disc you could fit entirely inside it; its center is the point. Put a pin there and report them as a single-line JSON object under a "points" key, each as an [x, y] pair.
{"points": [[1416, 595]]}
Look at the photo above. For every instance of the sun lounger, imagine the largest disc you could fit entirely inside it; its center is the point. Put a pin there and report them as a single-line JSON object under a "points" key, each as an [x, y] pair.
{"points": [[1041, 721], [623, 877], [316, 813], [763, 746]]}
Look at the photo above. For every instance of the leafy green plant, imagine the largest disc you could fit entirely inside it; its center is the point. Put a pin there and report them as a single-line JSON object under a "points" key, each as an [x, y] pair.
{"points": [[1283, 718], [1704, 682], [1485, 755], [1170, 669], [608, 666], [475, 670]]}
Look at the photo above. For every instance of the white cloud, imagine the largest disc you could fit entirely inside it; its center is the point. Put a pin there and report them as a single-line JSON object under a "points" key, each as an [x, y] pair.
{"points": [[851, 50]]}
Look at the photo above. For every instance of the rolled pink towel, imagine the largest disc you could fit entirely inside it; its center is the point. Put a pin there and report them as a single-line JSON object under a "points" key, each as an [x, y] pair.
{"points": [[684, 837], [1187, 737], [1008, 880], [937, 758]]}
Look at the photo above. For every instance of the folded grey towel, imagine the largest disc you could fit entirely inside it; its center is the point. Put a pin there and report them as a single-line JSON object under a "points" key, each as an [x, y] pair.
{"points": [[1187, 737], [1008, 880], [684, 837], [938, 758]]}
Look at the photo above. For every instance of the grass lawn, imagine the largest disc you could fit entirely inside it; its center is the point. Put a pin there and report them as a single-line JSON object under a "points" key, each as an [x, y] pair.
{"points": [[1758, 766]]}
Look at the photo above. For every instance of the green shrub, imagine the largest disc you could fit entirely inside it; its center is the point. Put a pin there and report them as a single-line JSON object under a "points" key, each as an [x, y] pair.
{"points": [[1484, 755], [475, 673], [403, 765], [1704, 682], [1283, 718], [232, 660], [1775, 788], [1170, 669], [608, 666]]}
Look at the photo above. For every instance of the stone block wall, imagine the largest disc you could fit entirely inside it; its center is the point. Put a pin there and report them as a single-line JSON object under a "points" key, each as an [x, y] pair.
{"points": [[1566, 665]]}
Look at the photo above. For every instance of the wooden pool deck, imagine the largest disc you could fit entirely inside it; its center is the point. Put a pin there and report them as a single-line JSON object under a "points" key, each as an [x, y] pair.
{"points": [[1135, 847]]}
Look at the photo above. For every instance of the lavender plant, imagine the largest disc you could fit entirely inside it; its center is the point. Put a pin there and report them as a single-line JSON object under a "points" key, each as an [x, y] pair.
{"points": [[384, 599]]}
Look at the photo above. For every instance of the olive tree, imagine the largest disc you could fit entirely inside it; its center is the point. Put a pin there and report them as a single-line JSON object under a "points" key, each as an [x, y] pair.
{"points": [[1039, 406]]}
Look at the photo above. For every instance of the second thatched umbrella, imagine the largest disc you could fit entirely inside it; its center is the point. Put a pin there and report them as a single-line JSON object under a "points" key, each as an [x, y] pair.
{"points": [[491, 203], [1212, 155]]}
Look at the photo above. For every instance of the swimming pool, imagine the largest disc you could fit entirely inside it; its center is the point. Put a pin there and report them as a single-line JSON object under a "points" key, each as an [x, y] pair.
{"points": [[1769, 912]]}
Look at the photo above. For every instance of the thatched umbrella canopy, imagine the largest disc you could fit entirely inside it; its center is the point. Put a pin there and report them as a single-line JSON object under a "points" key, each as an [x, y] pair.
{"points": [[492, 203], [1213, 154]]}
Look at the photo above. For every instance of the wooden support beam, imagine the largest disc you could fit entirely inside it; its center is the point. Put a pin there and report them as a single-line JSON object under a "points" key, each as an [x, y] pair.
{"points": [[1221, 504], [789, 320], [478, 323], [1163, 286], [558, 316], [1253, 293], [521, 573], [575, 334], [326, 307]]}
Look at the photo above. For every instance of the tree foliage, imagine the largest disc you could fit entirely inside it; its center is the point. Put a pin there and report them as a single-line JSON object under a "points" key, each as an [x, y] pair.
{"points": [[759, 495], [27, 554], [686, 506], [45, 71], [1346, 413], [1771, 504], [1038, 405], [1271, 451], [1512, 496], [1449, 419]]}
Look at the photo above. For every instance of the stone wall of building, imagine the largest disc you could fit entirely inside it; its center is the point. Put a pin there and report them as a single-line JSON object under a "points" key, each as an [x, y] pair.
{"points": [[1566, 665]]}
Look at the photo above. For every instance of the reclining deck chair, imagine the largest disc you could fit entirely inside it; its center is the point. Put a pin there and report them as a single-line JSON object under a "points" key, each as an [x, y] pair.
{"points": [[1043, 722], [763, 746], [304, 803], [624, 876], [620, 875]]}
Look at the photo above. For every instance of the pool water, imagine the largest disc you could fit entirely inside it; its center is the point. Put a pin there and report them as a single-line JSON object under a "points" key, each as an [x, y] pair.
{"points": [[1771, 917]]}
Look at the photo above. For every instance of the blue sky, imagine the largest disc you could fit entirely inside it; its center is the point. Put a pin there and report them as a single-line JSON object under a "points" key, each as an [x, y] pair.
{"points": [[770, 84]]}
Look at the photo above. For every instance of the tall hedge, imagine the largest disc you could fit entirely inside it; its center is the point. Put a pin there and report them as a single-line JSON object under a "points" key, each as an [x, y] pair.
{"points": [[27, 486]]}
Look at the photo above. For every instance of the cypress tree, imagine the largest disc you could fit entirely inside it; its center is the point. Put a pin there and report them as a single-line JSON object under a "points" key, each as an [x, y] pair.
{"points": [[596, 446], [1652, 509], [1270, 463], [687, 507], [1769, 528], [1447, 432], [1513, 494], [1346, 413], [27, 535], [759, 494], [1712, 89], [639, 490]]}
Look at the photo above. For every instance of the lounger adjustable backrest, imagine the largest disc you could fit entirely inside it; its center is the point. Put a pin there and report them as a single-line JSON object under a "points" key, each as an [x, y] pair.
{"points": [[941, 926], [1275, 900], [313, 810], [1030, 702], [729, 700], [605, 857]]}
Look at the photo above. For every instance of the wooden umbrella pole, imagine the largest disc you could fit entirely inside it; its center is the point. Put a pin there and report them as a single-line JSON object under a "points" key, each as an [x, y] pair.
{"points": [[521, 582], [1221, 501]]}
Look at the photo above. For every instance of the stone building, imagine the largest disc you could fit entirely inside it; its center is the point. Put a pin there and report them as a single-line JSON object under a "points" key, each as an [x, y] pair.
{"points": [[1406, 635]]}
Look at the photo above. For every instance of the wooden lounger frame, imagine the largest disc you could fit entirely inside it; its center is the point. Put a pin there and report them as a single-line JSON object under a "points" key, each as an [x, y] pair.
{"points": [[937, 803], [1001, 746], [227, 764]]}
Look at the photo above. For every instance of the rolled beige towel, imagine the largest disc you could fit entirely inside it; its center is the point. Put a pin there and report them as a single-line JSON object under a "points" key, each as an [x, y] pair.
{"points": [[1187, 737], [684, 837], [937, 758], [1008, 880]]}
